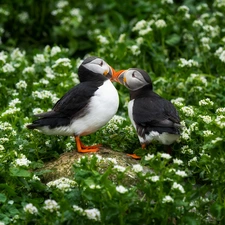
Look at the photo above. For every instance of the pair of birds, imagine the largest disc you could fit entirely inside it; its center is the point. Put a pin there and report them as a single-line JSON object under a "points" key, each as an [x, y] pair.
{"points": [[94, 101]]}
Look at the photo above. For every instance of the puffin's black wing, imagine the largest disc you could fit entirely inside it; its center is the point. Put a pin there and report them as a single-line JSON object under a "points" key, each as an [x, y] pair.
{"points": [[71, 105], [153, 113]]}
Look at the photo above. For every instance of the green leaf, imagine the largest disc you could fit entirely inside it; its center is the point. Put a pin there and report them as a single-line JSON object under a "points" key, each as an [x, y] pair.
{"points": [[2, 198], [19, 172], [173, 39], [216, 210]]}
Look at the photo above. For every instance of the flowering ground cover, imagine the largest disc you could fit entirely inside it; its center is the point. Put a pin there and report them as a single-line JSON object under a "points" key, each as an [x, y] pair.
{"points": [[180, 45]]}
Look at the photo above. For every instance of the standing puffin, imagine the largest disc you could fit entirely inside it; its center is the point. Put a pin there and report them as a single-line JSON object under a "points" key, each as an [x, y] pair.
{"points": [[85, 108], [153, 117]]}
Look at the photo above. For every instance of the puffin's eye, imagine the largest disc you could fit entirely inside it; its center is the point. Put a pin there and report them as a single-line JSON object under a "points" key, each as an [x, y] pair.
{"points": [[133, 74], [101, 63]]}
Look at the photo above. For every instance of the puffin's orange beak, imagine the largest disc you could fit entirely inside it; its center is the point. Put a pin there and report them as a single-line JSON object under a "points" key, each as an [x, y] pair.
{"points": [[116, 74]]}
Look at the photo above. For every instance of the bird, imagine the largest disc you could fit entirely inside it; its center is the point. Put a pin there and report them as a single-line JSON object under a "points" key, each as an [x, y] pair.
{"points": [[153, 117], [85, 108]]}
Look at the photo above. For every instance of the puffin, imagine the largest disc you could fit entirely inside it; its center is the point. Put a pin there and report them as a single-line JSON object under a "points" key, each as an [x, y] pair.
{"points": [[85, 108], [153, 117]]}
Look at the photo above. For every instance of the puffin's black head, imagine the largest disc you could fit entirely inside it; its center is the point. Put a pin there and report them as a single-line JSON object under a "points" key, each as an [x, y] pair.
{"points": [[133, 78], [95, 69]]}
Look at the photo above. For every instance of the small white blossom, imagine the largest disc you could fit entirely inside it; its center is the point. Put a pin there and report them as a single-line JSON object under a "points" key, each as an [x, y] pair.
{"points": [[165, 156], [185, 149], [192, 160], [205, 102], [181, 173], [160, 23], [137, 168], [178, 187], [187, 63], [178, 161], [21, 85], [207, 133], [23, 17], [167, 1], [135, 50], [30, 208], [121, 38], [197, 23], [51, 205], [145, 31], [149, 157], [2, 147], [22, 161], [178, 102], [220, 121], [61, 4], [113, 160], [188, 111], [167, 199], [39, 59], [121, 189], [103, 40], [93, 214], [64, 184], [206, 119], [220, 111], [78, 209], [119, 168], [139, 25], [14, 102], [29, 69], [8, 68], [154, 178], [62, 62], [55, 50], [3, 56], [35, 177], [139, 41]]}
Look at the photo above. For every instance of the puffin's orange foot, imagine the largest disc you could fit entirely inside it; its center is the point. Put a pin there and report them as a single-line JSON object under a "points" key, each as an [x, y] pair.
{"points": [[134, 156], [88, 149]]}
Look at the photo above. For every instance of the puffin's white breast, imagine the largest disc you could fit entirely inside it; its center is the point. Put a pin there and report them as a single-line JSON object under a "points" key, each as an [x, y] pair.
{"points": [[101, 108]]}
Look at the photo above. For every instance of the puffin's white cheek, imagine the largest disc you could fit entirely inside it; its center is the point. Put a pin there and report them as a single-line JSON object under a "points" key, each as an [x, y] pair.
{"points": [[94, 68]]}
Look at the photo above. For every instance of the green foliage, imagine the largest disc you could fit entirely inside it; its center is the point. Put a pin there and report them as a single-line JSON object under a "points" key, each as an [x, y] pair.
{"points": [[181, 46]]}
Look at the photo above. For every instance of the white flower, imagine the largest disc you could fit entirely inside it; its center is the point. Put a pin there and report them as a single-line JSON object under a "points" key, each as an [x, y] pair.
{"points": [[77, 209], [167, 199], [61, 4], [13, 102], [51, 205], [167, 1], [113, 160], [121, 38], [39, 59], [188, 111], [35, 177], [165, 156], [22, 161], [183, 8], [139, 40], [216, 140], [154, 178], [62, 62], [30, 208], [178, 102], [103, 40], [178, 161], [192, 160], [121, 189], [207, 133], [205, 102], [119, 168], [64, 184], [178, 187], [21, 84], [220, 111], [160, 23], [139, 25], [2, 147], [187, 63], [93, 214], [149, 157], [23, 17], [206, 119], [29, 69], [137, 168], [37, 111], [185, 149], [145, 31], [135, 50], [8, 68], [55, 50], [17, 54], [181, 173], [3, 56], [220, 121]]}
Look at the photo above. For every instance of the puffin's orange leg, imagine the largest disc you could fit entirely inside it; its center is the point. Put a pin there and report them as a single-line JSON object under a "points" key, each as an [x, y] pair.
{"points": [[134, 156], [84, 149]]}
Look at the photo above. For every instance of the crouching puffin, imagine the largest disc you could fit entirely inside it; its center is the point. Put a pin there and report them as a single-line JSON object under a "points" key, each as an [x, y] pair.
{"points": [[153, 117], [85, 108]]}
